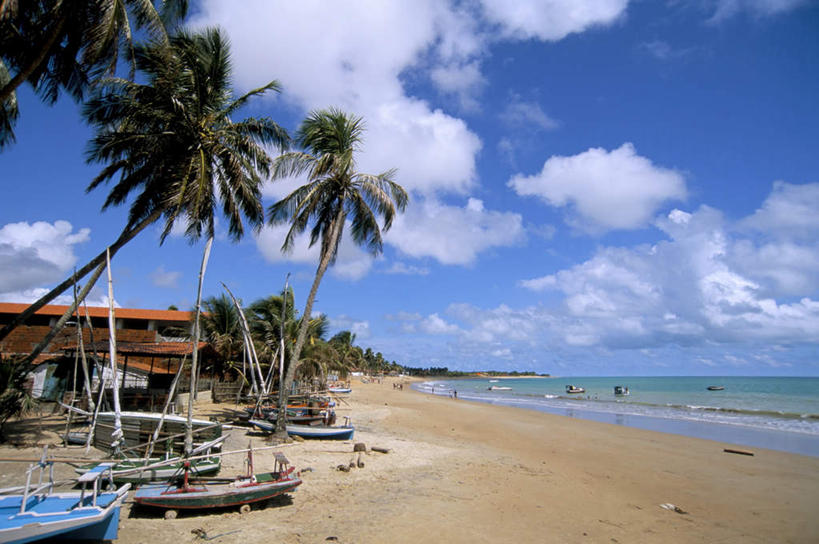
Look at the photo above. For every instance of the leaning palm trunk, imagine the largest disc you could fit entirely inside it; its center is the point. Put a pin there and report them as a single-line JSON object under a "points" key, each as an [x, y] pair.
{"points": [[327, 251], [195, 351], [99, 262]]}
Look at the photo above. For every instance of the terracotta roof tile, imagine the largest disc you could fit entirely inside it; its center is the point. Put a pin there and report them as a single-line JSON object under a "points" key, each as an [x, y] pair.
{"points": [[100, 311]]}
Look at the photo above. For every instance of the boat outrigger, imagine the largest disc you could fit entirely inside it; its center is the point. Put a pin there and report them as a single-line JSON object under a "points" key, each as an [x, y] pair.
{"points": [[35, 512], [207, 493]]}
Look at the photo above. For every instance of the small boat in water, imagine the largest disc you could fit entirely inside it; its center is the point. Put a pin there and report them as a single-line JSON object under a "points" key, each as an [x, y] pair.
{"points": [[574, 389], [621, 390], [715, 388], [499, 388], [35, 512]]}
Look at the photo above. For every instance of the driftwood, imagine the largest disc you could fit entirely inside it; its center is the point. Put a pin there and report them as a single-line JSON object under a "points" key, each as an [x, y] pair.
{"points": [[738, 452], [380, 450]]}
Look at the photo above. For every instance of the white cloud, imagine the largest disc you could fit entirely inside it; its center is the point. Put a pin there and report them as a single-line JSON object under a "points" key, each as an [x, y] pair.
{"points": [[724, 9], [168, 279], [453, 235], [399, 267], [789, 211], [434, 324], [356, 65], [352, 263], [604, 190], [520, 113], [361, 329], [35, 254], [551, 20]]}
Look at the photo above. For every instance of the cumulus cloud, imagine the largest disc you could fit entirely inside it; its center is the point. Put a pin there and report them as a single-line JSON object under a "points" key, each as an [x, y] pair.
{"points": [[352, 263], [360, 328], [789, 211], [451, 234], [605, 190], [35, 254], [359, 65]]}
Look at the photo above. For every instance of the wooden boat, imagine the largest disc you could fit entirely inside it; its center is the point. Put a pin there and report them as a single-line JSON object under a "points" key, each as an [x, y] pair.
{"points": [[138, 428], [715, 388], [340, 390], [499, 388], [168, 468], [574, 389], [220, 492], [326, 432], [39, 513], [621, 391]]}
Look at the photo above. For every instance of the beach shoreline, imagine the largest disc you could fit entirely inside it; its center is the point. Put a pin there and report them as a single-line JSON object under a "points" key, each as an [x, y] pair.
{"points": [[461, 471]]}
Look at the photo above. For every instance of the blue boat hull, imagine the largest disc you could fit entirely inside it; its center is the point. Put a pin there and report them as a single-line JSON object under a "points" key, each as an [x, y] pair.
{"points": [[52, 518]]}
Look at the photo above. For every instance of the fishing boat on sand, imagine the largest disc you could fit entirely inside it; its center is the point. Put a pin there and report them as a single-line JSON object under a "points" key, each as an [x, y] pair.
{"points": [[36, 512], [206, 493], [325, 432], [571, 389]]}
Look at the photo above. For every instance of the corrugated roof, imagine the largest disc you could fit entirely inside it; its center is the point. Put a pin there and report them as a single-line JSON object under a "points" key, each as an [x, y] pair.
{"points": [[101, 311]]}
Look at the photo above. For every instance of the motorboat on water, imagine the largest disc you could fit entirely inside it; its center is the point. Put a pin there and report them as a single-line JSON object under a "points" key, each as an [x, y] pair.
{"points": [[574, 389], [715, 388], [621, 391], [499, 388]]}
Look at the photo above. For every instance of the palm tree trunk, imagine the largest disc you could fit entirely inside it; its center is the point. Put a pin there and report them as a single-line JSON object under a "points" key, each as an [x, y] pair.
{"points": [[287, 383], [195, 352], [99, 261]]}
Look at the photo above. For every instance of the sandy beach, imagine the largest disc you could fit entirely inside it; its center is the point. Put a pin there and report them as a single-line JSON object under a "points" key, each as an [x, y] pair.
{"points": [[458, 471]]}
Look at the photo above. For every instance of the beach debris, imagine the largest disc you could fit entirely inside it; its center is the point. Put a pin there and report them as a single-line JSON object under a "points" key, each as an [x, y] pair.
{"points": [[333, 538], [380, 450], [200, 533], [343, 468], [360, 447], [307, 469], [738, 452], [673, 508]]}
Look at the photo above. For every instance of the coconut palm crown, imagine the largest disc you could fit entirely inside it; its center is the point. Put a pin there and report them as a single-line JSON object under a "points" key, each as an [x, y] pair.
{"points": [[334, 194], [172, 140]]}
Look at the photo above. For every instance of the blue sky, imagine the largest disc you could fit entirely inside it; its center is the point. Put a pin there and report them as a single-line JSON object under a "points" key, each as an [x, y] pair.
{"points": [[597, 187]]}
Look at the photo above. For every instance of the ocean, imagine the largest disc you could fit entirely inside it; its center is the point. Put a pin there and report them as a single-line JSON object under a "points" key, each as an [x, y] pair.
{"points": [[775, 413]]}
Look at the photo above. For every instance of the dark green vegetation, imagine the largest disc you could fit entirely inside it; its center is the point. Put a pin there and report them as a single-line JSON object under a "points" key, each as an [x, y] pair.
{"points": [[445, 372]]}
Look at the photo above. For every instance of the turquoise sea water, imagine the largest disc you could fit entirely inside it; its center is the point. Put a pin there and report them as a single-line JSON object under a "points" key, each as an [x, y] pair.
{"points": [[776, 413]]}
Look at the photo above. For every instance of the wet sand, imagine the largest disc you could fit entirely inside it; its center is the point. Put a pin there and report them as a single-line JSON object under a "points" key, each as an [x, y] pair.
{"points": [[466, 472]]}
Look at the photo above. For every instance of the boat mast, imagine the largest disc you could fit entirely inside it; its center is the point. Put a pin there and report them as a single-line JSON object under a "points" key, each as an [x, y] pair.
{"points": [[112, 348], [195, 350]]}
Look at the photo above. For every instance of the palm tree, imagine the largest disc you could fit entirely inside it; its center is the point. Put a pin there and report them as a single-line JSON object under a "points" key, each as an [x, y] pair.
{"points": [[334, 193], [222, 326], [266, 326], [60, 44], [173, 141]]}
